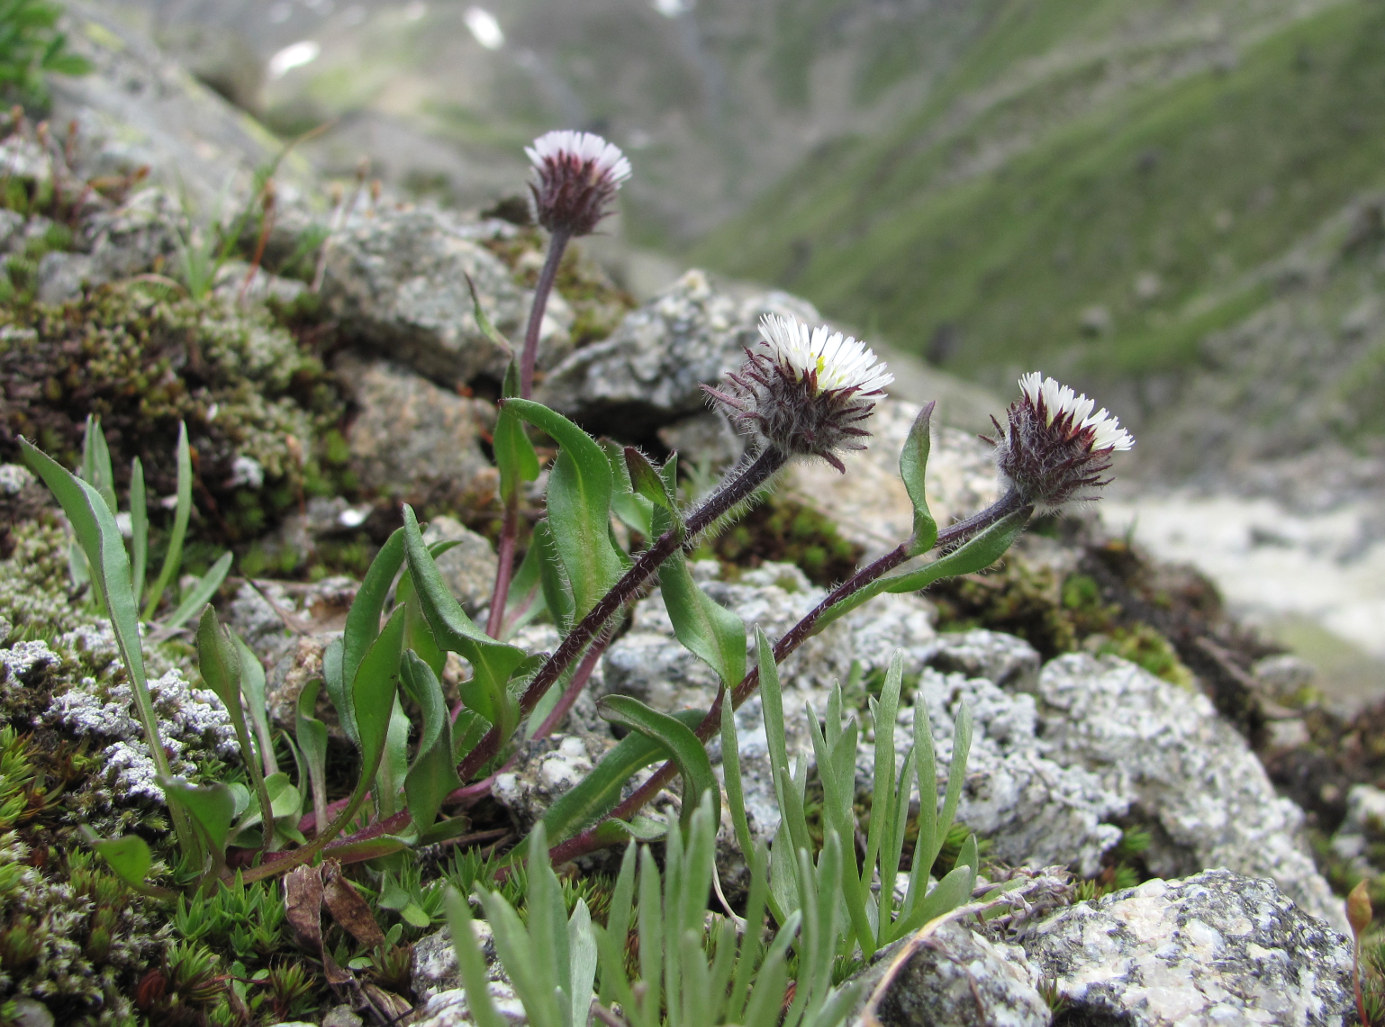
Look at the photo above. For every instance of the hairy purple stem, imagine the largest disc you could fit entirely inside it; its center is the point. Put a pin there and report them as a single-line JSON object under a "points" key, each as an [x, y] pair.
{"points": [[579, 681], [739, 485], [949, 538], [509, 528]]}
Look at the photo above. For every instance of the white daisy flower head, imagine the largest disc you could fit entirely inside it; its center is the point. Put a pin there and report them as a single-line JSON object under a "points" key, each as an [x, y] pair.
{"points": [[576, 176], [1053, 448], [805, 390]]}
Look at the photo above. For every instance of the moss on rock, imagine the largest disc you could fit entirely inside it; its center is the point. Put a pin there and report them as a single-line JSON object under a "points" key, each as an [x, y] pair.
{"points": [[141, 359]]}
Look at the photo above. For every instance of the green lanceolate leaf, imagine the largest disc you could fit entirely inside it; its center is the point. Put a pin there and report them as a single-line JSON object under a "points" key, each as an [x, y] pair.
{"points": [[372, 695], [515, 458], [632, 509], [212, 807], [363, 619], [599, 791], [182, 511], [394, 762], [198, 595], [553, 582], [711, 632], [252, 690], [311, 734], [580, 493], [129, 858], [492, 333], [647, 481], [676, 739], [471, 961], [139, 528], [976, 554], [218, 659], [96, 462], [433, 774], [100, 540], [913, 462], [492, 662], [418, 636]]}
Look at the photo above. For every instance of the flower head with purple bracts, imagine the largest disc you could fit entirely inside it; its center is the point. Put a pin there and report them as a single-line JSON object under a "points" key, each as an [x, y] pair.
{"points": [[576, 175], [1054, 450], [805, 391]]}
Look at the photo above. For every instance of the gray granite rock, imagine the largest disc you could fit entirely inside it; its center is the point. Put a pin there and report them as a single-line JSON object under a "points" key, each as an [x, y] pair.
{"points": [[398, 282], [869, 504], [1217, 948], [960, 979], [412, 439], [141, 234], [449, 1008], [139, 109], [1007, 661], [1036, 810], [544, 770], [1186, 773], [650, 370]]}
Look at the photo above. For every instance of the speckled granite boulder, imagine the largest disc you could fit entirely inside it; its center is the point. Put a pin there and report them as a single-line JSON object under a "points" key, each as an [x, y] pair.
{"points": [[1214, 949], [398, 282], [1185, 771], [963, 980], [650, 370], [413, 439]]}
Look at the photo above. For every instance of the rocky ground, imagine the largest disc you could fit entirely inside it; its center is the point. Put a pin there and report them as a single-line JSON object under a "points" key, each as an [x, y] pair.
{"points": [[1189, 812]]}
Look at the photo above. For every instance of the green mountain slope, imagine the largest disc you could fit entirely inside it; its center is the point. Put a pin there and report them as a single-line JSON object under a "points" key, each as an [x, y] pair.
{"points": [[989, 227]]}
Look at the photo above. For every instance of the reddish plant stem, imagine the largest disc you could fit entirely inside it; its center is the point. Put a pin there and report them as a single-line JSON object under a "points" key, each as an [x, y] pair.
{"points": [[579, 681], [557, 243], [504, 567], [509, 529]]}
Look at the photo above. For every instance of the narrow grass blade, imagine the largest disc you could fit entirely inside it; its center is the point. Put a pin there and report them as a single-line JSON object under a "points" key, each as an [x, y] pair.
{"points": [[182, 511]]}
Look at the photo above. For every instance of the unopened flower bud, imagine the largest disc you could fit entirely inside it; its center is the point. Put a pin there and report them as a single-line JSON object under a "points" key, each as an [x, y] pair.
{"points": [[805, 391], [576, 175], [1359, 912], [1053, 449]]}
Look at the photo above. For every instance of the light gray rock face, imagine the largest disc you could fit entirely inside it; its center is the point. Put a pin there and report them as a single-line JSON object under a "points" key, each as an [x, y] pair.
{"points": [[449, 1008], [1037, 810], [1185, 772], [869, 504], [413, 439], [1214, 949], [116, 244], [398, 282], [139, 108], [651, 368], [650, 664], [1050, 773], [963, 980], [544, 771]]}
